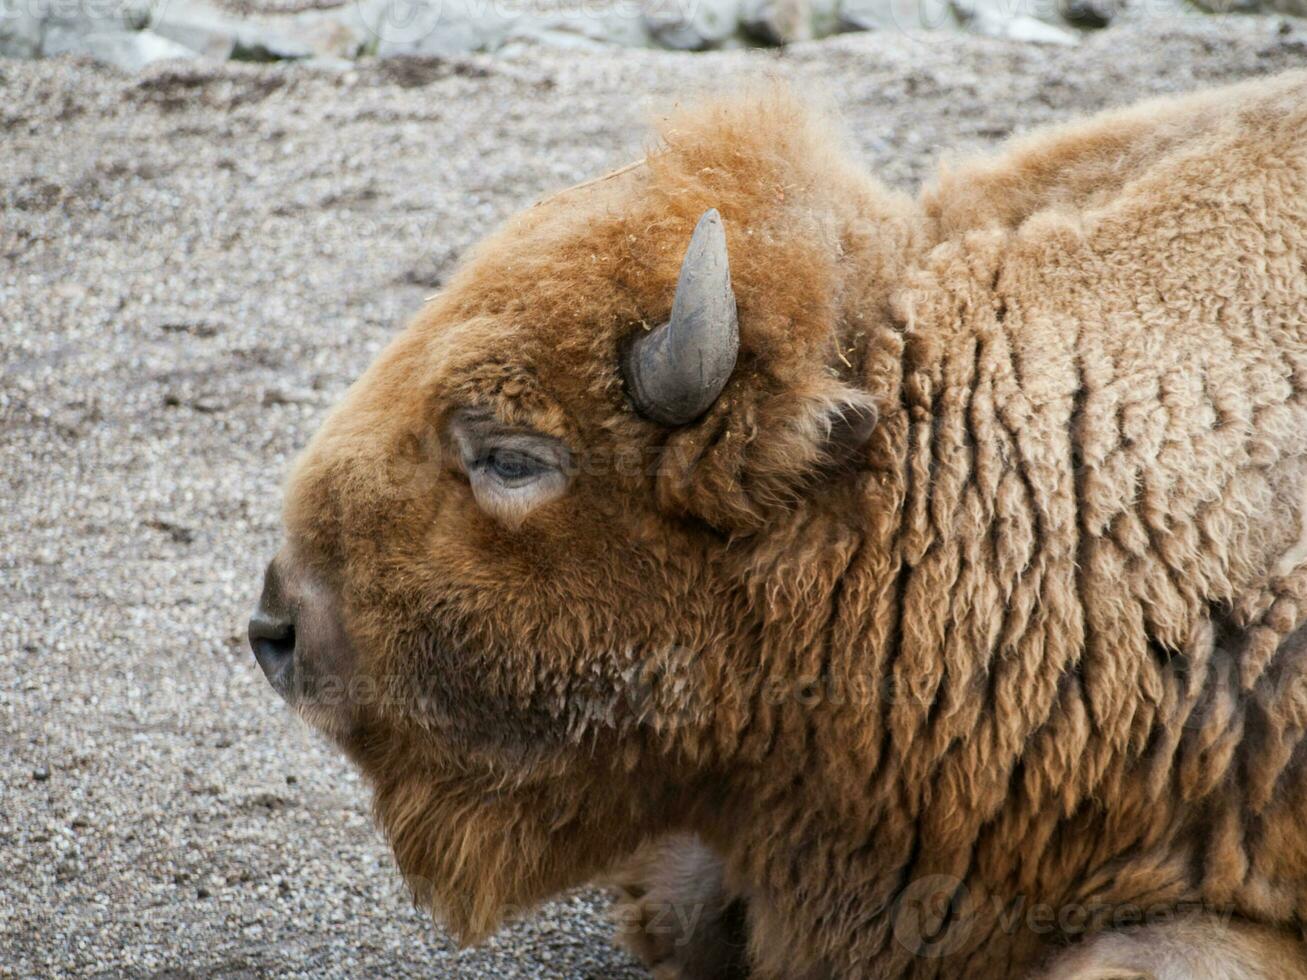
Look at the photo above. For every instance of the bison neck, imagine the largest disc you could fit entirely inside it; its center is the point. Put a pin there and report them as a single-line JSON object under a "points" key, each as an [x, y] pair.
{"points": [[1045, 683]]}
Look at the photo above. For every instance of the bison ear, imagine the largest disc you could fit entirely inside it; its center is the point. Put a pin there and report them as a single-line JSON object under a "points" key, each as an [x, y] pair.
{"points": [[756, 457], [850, 422]]}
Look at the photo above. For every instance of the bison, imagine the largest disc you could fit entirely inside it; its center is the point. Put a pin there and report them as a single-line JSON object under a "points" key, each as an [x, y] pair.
{"points": [[904, 586]]}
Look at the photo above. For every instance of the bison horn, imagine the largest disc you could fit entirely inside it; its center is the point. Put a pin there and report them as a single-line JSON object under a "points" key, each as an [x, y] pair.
{"points": [[675, 372]]}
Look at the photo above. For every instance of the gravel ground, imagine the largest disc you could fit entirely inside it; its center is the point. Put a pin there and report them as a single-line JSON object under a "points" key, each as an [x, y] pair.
{"points": [[194, 263]]}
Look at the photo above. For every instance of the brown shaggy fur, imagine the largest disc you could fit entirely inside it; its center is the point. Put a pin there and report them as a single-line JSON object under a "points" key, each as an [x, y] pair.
{"points": [[1033, 647]]}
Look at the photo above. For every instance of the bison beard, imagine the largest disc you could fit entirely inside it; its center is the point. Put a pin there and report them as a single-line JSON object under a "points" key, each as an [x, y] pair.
{"points": [[1017, 666]]}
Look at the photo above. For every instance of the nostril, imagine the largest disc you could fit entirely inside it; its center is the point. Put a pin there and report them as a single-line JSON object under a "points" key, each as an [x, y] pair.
{"points": [[276, 638], [273, 643]]}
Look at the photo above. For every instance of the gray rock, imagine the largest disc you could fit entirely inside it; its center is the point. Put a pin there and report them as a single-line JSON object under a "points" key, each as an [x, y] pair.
{"points": [[20, 30], [692, 25], [1014, 20], [449, 28], [895, 15], [776, 21], [1089, 13], [265, 47], [1027, 29], [325, 33], [203, 29], [439, 28], [214, 33], [524, 35], [1006, 10], [823, 16], [25, 24], [582, 26], [128, 50], [105, 30]]}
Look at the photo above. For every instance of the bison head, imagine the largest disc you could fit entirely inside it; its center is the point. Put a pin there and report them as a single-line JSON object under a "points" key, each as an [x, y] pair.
{"points": [[532, 556]]}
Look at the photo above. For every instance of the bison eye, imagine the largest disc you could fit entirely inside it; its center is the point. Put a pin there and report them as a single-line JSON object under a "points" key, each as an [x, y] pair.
{"points": [[512, 466], [511, 470]]}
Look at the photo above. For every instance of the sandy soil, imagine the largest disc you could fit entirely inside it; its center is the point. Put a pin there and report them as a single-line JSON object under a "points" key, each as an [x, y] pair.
{"points": [[194, 263]]}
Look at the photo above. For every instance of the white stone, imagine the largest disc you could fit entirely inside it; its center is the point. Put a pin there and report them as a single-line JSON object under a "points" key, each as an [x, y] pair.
{"points": [[580, 23], [128, 50], [31, 28], [441, 28], [896, 15], [201, 28], [1015, 20], [692, 25], [1000, 11], [1026, 29]]}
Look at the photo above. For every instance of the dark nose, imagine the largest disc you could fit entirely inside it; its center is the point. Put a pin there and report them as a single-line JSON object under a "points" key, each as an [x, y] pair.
{"points": [[272, 634]]}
